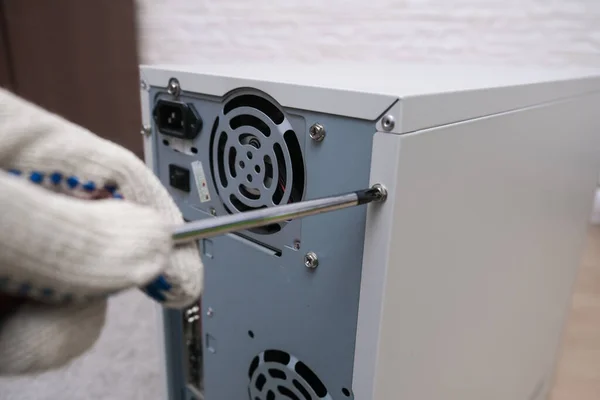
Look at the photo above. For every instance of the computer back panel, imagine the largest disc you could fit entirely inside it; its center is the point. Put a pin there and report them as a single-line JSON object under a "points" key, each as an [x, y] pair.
{"points": [[268, 325]]}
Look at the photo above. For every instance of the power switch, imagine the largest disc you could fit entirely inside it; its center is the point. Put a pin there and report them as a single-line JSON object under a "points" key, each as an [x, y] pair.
{"points": [[179, 177]]}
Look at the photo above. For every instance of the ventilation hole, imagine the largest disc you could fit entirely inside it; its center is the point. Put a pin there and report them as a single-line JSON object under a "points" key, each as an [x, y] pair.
{"points": [[250, 100], [227, 210], [211, 143], [346, 392], [232, 154], [295, 151], [249, 193], [249, 178], [268, 179], [311, 378], [242, 165], [194, 150], [287, 393], [301, 389], [253, 365], [268, 229], [270, 395], [251, 334], [280, 190], [220, 160], [250, 120], [249, 154], [257, 168], [277, 356], [260, 382], [249, 139], [277, 374], [165, 142]]}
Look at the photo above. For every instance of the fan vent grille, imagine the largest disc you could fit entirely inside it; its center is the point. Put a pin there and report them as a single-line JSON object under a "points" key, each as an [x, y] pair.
{"points": [[256, 159], [276, 374]]}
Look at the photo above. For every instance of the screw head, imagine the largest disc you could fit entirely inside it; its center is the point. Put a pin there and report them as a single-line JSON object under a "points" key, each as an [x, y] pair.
{"points": [[173, 88], [317, 132], [296, 244], [380, 192], [311, 260], [209, 312], [212, 211], [146, 130], [143, 85], [388, 122]]}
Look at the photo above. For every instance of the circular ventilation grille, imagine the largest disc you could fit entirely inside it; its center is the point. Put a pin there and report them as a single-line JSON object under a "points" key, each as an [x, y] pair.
{"points": [[256, 159], [275, 374]]}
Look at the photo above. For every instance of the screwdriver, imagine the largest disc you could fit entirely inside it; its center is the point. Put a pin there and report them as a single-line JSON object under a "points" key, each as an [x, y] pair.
{"points": [[211, 227]]}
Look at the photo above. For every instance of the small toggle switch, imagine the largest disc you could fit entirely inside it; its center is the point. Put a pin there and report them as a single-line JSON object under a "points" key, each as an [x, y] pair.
{"points": [[179, 177]]}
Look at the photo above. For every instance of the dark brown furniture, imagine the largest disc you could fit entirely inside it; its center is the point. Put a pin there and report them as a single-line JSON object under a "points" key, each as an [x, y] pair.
{"points": [[77, 58]]}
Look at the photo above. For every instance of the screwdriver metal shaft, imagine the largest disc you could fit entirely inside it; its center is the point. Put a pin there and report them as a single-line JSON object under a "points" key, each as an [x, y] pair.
{"points": [[211, 227]]}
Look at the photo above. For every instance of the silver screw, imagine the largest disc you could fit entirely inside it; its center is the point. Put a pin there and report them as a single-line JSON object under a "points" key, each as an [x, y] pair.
{"points": [[296, 244], [173, 88], [381, 191], [146, 130], [143, 84], [388, 122], [317, 132], [311, 260], [209, 312], [212, 211]]}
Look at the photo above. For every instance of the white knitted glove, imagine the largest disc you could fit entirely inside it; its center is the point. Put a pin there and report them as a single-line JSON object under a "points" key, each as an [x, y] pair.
{"points": [[69, 252]]}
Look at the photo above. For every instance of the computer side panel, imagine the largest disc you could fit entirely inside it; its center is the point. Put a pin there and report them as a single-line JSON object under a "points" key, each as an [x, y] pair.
{"points": [[469, 266]]}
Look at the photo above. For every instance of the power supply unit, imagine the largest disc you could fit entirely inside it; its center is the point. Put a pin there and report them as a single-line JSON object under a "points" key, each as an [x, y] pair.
{"points": [[456, 287]]}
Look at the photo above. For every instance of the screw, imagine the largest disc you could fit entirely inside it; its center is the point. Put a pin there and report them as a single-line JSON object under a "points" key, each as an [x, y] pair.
{"points": [[317, 132], [209, 312], [146, 130], [311, 260], [212, 211], [388, 122], [143, 85], [296, 244], [174, 89], [380, 192]]}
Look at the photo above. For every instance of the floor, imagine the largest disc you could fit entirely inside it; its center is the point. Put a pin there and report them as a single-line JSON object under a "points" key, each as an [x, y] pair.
{"points": [[124, 365], [578, 372], [125, 362]]}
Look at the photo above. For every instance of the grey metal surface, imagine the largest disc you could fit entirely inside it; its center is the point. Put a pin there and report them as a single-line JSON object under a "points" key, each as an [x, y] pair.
{"points": [[262, 301]]}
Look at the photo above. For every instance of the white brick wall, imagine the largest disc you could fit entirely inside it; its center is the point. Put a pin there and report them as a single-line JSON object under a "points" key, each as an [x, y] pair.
{"points": [[551, 32]]}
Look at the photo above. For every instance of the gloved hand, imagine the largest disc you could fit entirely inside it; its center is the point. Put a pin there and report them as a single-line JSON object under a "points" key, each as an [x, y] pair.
{"points": [[64, 248]]}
